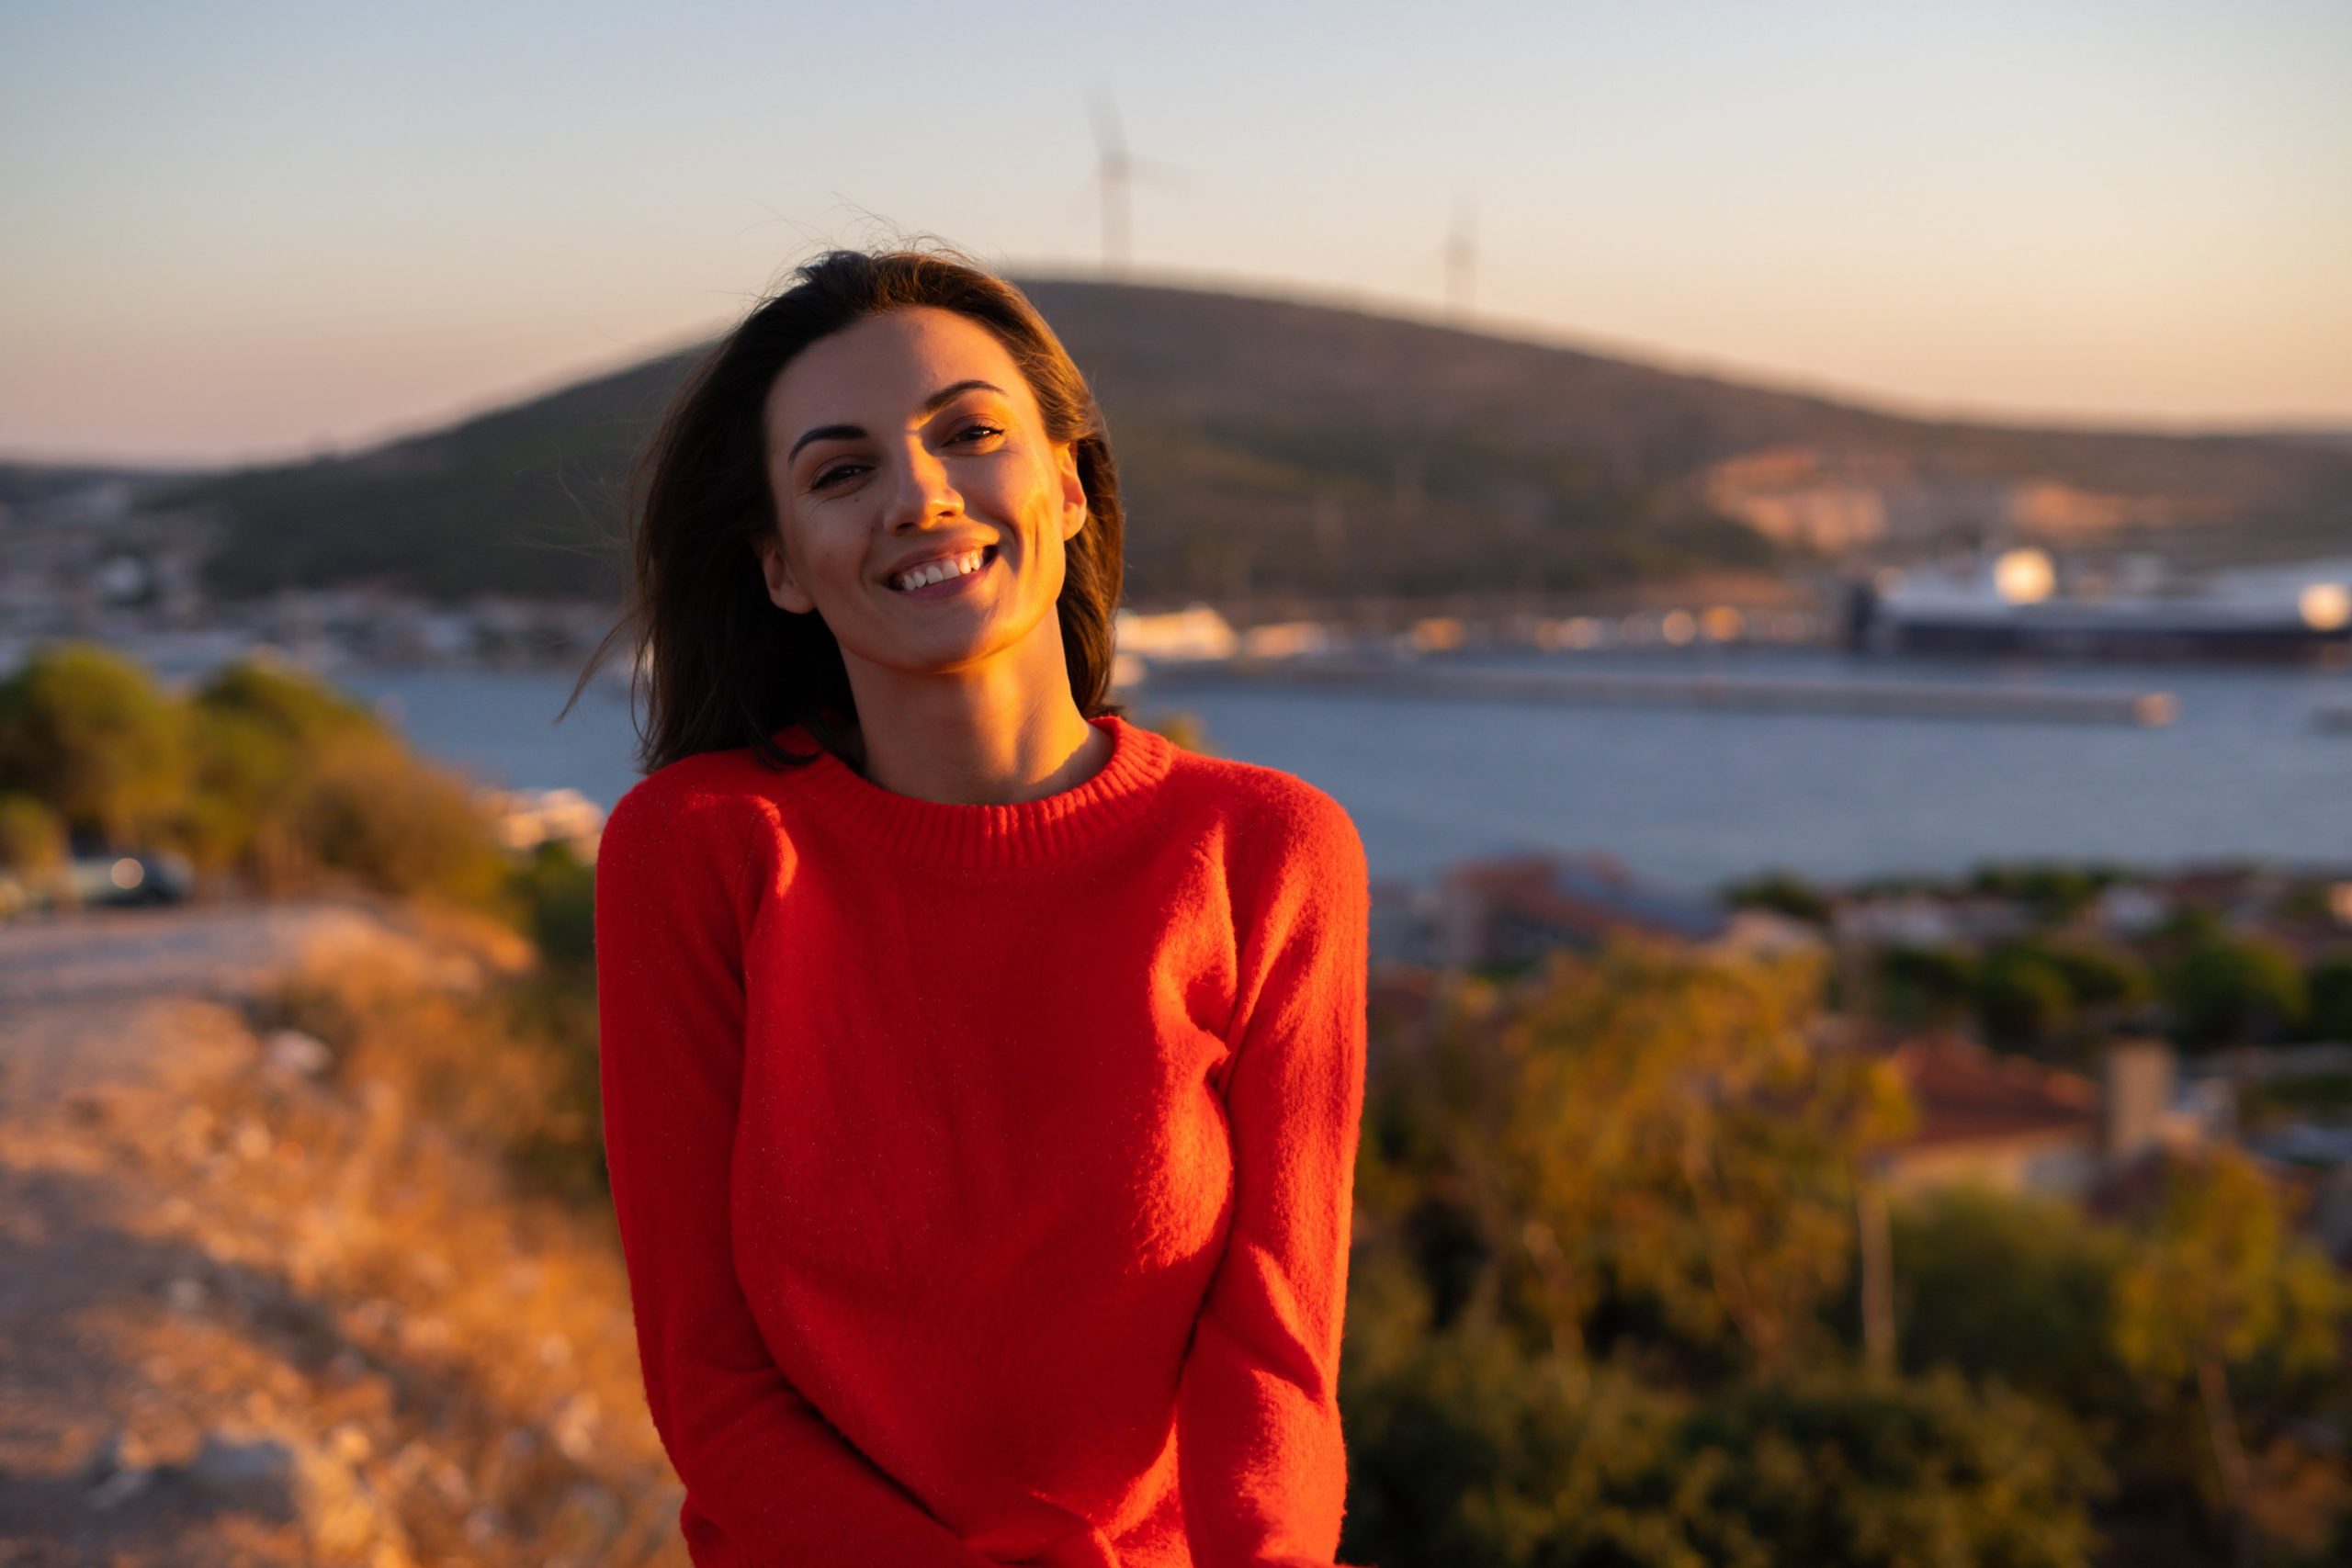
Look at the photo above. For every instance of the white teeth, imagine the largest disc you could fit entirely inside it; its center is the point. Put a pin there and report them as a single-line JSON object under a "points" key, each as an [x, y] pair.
{"points": [[939, 570]]}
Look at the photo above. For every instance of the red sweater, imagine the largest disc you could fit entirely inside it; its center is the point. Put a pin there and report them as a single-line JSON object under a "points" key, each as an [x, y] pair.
{"points": [[984, 1172]]}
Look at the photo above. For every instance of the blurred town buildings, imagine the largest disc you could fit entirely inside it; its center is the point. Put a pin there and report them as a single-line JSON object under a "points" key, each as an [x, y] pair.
{"points": [[1984, 1117]]}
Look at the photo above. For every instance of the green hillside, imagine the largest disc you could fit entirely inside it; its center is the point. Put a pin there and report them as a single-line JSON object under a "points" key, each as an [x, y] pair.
{"points": [[1266, 445], [527, 500]]}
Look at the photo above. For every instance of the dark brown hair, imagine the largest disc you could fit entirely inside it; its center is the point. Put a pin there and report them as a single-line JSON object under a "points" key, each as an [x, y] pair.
{"points": [[725, 667]]}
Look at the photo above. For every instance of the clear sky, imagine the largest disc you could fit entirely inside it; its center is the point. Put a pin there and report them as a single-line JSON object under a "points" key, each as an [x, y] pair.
{"points": [[243, 230]]}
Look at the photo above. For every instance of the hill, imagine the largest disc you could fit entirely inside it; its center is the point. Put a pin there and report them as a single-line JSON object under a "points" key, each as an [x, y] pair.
{"points": [[1278, 445], [30, 486]]}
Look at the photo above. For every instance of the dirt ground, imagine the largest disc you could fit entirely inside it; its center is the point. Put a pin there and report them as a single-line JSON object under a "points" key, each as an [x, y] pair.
{"points": [[215, 1347]]}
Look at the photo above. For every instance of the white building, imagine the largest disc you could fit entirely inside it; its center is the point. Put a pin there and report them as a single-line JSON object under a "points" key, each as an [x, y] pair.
{"points": [[1196, 632]]}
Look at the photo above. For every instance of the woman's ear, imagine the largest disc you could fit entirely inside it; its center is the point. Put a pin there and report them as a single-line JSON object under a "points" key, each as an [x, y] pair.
{"points": [[783, 588], [1073, 489]]}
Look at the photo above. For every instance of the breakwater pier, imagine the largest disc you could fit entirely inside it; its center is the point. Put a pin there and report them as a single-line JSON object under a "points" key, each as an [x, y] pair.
{"points": [[1906, 699]]}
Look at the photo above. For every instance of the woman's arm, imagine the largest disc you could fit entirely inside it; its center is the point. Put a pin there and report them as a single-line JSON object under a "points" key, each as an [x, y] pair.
{"points": [[759, 1462], [1262, 1469]]}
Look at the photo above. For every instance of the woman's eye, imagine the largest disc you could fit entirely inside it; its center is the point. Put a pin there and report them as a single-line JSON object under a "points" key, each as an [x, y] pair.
{"points": [[840, 470], [977, 430]]}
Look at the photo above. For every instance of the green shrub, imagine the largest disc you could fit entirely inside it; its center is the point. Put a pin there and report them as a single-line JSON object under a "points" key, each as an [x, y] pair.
{"points": [[2055, 892], [1472, 1451], [2224, 990], [1924, 987], [1782, 892], [2328, 994], [366, 808], [2023, 998], [2015, 1288], [87, 732], [556, 891], [2100, 976], [32, 839]]}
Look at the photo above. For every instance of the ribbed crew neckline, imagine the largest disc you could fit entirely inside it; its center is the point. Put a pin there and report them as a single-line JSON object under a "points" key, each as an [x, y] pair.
{"points": [[986, 837]]}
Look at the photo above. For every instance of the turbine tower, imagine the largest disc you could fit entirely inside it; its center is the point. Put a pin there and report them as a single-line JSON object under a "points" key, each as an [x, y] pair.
{"points": [[1115, 173], [1461, 260]]}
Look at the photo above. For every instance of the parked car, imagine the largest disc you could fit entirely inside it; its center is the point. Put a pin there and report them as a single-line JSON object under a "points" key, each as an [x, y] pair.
{"points": [[149, 877], [156, 876]]}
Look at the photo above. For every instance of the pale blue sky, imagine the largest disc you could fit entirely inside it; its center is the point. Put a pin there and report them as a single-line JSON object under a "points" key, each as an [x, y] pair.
{"points": [[250, 230]]}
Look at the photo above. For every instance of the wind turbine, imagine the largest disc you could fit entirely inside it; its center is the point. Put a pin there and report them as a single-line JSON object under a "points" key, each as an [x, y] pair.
{"points": [[1116, 171], [1461, 260]]}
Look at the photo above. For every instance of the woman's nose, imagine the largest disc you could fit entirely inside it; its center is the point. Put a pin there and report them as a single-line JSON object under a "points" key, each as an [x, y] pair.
{"points": [[924, 490]]}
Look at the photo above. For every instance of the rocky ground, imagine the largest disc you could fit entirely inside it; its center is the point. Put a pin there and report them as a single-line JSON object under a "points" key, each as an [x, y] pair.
{"points": [[253, 1311]]}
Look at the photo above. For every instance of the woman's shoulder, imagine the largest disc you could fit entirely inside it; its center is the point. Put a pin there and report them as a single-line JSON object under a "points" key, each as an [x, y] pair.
{"points": [[1268, 812], [701, 795]]}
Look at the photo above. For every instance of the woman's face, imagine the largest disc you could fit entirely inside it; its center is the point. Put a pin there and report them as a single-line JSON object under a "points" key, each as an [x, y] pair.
{"points": [[910, 438]]}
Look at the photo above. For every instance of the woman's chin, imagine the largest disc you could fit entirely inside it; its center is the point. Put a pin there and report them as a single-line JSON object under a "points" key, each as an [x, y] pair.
{"points": [[949, 653]]}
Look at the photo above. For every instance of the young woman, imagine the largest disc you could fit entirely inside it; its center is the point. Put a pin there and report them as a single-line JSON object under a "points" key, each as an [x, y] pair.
{"points": [[981, 1071]]}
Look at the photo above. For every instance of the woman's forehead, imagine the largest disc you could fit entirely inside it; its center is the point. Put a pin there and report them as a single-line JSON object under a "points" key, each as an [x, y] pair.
{"points": [[889, 366]]}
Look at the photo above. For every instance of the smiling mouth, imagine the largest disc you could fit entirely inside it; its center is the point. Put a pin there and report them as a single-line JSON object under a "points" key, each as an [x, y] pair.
{"points": [[940, 587]]}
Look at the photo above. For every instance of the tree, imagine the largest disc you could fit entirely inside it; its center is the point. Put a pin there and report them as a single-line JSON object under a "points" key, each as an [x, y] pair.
{"points": [[287, 702], [1840, 1468], [2015, 1288], [1782, 892], [368, 807], [1466, 1449], [2328, 989], [2100, 976], [1924, 987], [258, 731], [2055, 892], [1463, 1448], [1606, 1209], [85, 730], [2023, 998], [2219, 1292], [2223, 988], [1673, 1137], [291, 777], [31, 838], [556, 891]]}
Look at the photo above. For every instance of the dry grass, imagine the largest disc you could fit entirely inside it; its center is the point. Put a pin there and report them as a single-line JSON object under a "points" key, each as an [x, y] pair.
{"points": [[487, 1315]]}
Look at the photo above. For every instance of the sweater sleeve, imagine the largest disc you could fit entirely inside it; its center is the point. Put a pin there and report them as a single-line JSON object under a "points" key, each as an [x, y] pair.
{"points": [[1261, 1467], [763, 1468]]}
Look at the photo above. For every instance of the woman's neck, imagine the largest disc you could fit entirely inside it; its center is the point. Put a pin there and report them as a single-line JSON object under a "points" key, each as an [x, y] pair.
{"points": [[979, 739]]}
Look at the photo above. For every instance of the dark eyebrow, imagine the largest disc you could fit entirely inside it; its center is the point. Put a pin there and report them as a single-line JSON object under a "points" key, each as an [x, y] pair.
{"points": [[930, 405]]}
